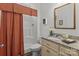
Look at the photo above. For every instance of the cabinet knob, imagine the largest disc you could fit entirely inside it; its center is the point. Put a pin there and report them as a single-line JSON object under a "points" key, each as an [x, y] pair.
{"points": [[47, 44], [48, 51]]}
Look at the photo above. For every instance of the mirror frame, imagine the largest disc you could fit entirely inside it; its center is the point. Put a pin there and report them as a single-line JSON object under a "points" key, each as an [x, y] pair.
{"points": [[74, 17]]}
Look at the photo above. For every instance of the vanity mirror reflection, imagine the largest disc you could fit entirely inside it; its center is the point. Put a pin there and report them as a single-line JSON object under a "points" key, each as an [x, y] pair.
{"points": [[64, 16]]}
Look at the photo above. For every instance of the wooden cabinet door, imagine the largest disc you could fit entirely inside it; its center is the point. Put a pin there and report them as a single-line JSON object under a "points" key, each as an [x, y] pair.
{"points": [[54, 46], [64, 50], [44, 51], [48, 52], [74, 52]]}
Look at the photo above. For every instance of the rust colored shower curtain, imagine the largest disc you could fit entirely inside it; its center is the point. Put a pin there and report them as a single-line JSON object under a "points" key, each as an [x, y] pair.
{"points": [[17, 48], [11, 34]]}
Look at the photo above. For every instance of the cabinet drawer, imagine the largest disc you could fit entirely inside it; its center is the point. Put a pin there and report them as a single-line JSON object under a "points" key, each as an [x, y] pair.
{"points": [[64, 54], [50, 44], [74, 52], [47, 52], [65, 50], [68, 51]]}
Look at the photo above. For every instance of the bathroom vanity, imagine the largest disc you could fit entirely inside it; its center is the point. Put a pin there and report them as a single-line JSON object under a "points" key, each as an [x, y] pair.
{"points": [[55, 47]]}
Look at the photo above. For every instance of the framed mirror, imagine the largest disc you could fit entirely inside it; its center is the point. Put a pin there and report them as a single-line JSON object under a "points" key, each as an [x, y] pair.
{"points": [[64, 16]]}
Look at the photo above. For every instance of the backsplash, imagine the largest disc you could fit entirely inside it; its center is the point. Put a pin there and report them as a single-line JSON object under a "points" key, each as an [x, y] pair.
{"points": [[69, 36], [73, 37]]}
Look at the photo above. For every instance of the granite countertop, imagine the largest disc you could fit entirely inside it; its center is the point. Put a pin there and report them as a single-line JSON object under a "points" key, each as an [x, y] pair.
{"points": [[72, 45]]}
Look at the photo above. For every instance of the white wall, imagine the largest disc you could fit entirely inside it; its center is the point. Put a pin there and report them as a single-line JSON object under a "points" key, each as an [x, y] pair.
{"points": [[47, 11]]}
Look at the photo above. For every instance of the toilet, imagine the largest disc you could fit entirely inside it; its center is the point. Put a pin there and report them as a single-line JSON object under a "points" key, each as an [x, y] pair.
{"points": [[35, 49]]}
